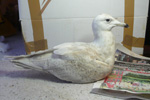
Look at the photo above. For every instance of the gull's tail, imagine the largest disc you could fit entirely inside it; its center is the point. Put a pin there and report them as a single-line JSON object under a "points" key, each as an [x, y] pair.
{"points": [[29, 61], [23, 61]]}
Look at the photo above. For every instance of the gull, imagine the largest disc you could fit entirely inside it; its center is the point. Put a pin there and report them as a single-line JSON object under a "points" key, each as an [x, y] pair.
{"points": [[78, 62]]}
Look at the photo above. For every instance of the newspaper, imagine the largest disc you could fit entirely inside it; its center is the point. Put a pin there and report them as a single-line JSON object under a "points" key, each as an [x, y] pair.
{"points": [[130, 78], [126, 76]]}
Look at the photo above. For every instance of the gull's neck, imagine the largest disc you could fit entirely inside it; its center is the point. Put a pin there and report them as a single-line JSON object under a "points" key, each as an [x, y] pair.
{"points": [[103, 38], [105, 42]]}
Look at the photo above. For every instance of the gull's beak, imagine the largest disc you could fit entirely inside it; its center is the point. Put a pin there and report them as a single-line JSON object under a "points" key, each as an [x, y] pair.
{"points": [[126, 26], [117, 23]]}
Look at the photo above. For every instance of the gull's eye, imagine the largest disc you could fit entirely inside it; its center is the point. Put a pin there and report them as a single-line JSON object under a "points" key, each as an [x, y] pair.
{"points": [[108, 20]]}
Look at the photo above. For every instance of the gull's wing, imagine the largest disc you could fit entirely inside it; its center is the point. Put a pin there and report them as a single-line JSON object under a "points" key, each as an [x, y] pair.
{"points": [[78, 51]]}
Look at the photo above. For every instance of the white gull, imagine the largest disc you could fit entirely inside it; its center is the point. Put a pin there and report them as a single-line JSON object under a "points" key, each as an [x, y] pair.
{"points": [[78, 62]]}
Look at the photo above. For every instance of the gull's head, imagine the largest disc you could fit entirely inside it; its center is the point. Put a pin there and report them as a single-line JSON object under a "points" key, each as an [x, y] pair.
{"points": [[105, 22]]}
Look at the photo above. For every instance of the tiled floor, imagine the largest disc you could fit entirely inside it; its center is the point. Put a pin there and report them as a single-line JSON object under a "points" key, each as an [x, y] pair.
{"points": [[16, 45]]}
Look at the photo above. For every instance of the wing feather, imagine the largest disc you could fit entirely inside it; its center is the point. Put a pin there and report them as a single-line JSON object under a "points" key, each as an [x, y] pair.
{"points": [[77, 51]]}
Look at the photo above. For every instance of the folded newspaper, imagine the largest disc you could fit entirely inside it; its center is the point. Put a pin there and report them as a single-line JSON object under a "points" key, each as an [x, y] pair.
{"points": [[130, 77]]}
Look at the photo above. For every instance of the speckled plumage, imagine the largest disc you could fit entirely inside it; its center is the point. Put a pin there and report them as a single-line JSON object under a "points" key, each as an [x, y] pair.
{"points": [[78, 62]]}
